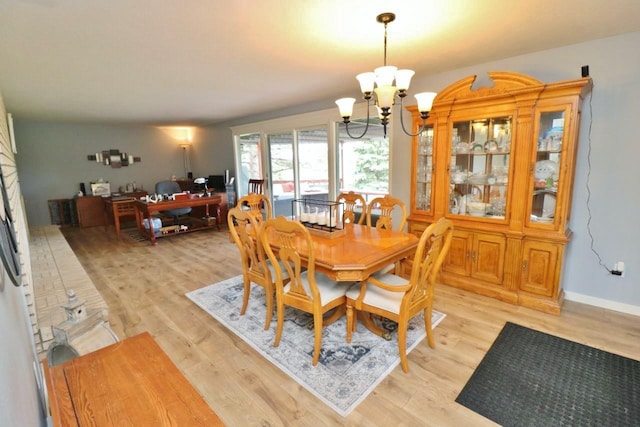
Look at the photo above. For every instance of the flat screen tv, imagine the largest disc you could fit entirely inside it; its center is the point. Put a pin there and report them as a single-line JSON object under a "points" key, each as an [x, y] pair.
{"points": [[216, 183]]}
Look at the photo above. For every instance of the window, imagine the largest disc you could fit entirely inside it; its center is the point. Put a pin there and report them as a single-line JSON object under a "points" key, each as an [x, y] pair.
{"points": [[311, 155], [248, 154], [363, 164]]}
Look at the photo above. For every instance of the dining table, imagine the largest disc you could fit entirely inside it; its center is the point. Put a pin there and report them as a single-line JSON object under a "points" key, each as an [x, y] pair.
{"points": [[356, 253], [353, 255]]}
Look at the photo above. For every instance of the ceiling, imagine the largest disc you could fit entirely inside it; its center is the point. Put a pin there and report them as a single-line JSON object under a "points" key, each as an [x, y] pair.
{"points": [[209, 61]]}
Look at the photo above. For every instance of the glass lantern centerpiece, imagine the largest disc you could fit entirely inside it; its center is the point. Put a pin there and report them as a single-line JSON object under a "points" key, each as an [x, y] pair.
{"points": [[321, 217]]}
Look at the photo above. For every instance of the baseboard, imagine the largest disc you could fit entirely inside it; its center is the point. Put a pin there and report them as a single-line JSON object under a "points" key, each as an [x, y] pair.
{"points": [[603, 303]]}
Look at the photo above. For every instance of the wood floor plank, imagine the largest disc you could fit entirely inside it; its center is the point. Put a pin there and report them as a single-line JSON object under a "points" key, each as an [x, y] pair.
{"points": [[144, 287]]}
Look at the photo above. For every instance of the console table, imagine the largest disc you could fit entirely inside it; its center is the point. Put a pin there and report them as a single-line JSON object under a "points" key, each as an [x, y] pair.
{"points": [[145, 210], [132, 382]]}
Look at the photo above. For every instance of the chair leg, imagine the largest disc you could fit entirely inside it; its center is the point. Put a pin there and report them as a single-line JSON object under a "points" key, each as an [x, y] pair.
{"points": [[428, 327], [280, 314], [350, 322], [269, 291], [402, 344], [317, 331], [245, 298]]}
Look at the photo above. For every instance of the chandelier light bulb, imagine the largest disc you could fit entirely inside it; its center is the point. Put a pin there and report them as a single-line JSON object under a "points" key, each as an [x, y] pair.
{"points": [[345, 105], [367, 81], [425, 101], [385, 96], [385, 75], [403, 79]]}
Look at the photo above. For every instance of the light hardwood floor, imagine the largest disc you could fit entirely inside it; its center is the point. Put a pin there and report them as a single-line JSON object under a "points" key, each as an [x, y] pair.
{"points": [[144, 287]]}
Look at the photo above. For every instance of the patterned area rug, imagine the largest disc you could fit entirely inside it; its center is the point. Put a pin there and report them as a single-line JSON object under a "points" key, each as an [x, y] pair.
{"points": [[134, 234], [345, 374], [529, 378]]}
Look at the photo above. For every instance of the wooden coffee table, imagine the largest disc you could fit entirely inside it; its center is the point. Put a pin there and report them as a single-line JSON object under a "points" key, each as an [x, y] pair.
{"points": [[132, 382]]}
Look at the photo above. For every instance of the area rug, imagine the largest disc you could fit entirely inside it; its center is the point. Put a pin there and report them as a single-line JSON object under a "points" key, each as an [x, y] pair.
{"points": [[345, 374], [530, 378], [134, 234]]}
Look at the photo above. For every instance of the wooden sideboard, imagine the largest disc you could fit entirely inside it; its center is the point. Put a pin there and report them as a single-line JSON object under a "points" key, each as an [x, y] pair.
{"points": [[90, 211], [132, 382]]}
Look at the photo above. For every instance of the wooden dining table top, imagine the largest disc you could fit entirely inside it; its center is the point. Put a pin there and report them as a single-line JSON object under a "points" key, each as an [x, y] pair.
{"points": [[358, 253]]}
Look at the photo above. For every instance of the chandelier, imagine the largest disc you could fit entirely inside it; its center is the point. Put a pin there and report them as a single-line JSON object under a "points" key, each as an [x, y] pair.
{"points": [[384, 94]]}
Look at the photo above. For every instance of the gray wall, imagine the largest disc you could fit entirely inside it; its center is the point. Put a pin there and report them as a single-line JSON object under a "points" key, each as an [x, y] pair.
{"points": [[52, 159]]}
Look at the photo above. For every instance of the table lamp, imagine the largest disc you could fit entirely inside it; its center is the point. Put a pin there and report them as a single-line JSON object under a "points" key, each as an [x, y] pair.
{"points": [[201, 181]]}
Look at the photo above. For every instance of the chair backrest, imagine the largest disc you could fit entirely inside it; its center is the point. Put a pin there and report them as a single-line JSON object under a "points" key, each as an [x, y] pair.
{"points": [[292, 238], [245, 230], [430, 254], [386, 206], [167, 187], [351, 200], [256, 186], [258, 205], [171, 187]]}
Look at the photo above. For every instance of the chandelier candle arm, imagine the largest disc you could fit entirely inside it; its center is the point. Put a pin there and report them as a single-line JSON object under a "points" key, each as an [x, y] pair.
{"points": [[378, 89]]}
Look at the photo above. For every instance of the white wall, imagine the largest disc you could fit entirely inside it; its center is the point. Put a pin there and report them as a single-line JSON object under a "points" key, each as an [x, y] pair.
{"points": [[608, 161]]}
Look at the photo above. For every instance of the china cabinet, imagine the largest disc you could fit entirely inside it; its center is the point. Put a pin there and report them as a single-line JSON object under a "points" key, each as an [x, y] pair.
{"points": [[500, 161]]}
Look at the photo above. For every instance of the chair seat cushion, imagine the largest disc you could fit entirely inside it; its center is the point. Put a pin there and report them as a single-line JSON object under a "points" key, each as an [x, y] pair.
{"points": [[329, 289], [378, 297], [272, 270]]}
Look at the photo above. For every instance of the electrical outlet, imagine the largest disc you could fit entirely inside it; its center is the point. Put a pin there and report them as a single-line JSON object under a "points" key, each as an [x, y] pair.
{"points": [[618, 269]]}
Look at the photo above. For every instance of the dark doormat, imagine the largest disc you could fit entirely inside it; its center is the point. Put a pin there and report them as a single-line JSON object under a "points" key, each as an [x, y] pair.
{"points": [[529, 378]]}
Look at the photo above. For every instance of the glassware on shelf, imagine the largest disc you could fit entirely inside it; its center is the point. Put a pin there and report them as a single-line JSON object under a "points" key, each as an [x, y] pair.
{"points": [[424, 169], [458, 175], [499, 204]]}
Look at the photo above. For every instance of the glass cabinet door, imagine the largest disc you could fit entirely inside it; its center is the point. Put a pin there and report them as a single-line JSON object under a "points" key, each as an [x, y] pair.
{"points": [[424, 170], [547, 167], [479, 167]]}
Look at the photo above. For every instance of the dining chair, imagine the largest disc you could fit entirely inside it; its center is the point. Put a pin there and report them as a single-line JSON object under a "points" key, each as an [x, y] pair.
{"points": [[351, 200], [257, 205], [311, 292], [386, 205], [398, 299], [256, 186], [383, 221], [256, 267]]}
